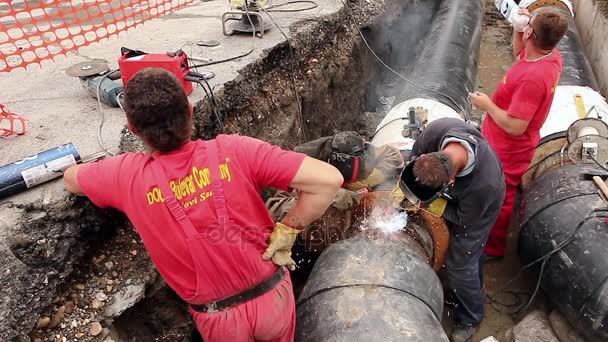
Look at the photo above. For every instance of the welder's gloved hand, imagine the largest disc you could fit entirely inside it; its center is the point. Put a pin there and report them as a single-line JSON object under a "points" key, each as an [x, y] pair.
{"points": [[398, 196], [283, 258], [400, 202], [437, 207], [374, 179], [345, 199], [279, 248]]}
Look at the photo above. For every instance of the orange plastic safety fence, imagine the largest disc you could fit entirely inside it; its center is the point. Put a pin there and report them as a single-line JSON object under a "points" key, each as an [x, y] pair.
{"points": [[10, 123], [35, 30]]}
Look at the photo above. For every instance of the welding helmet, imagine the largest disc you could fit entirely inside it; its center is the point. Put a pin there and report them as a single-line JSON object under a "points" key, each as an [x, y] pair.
{"points": [[352, 156], [419, 194]]}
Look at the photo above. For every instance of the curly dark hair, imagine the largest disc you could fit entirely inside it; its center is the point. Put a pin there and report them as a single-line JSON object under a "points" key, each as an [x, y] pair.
{"points": [[549, 27], [158, 108]]}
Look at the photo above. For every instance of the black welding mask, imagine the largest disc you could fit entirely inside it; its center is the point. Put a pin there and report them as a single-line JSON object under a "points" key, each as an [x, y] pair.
{"points": [[419, 194], [352, 156]]}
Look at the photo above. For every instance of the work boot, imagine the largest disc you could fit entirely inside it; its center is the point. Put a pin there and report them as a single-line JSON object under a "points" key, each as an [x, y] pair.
{"points": [[463, 332]]}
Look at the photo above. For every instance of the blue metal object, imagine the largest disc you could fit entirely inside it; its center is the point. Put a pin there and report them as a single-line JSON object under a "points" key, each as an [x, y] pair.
{"points": [[42, 167]]}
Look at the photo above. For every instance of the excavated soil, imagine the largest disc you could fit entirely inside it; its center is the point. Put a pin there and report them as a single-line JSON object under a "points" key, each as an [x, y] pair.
{"points": [[333, 73], [340, 88]]}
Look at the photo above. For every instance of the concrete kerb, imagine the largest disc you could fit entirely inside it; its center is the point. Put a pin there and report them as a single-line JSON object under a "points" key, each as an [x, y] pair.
{"points": [[46, 221]]}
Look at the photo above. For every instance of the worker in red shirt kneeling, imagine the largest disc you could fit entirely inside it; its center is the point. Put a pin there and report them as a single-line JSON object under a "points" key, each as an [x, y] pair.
{"points": [[198, 210]]}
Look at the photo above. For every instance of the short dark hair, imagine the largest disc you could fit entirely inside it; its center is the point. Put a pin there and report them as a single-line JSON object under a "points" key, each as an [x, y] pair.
{"points": [[157, 106], [431, 171], [549, 27]]}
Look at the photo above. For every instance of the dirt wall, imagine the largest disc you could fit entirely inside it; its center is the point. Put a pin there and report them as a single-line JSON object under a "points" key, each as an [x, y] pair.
{"points": [[333, 73], [592, 20]]}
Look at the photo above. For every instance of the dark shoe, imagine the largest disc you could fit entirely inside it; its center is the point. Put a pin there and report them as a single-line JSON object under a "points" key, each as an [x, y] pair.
{"points": [[463, 332]]}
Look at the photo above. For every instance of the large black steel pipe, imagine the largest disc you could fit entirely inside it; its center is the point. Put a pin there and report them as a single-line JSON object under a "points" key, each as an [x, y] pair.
{"points": [[384, 289], [562, 217], [447, 65], [577, 70], [562, 208], [371, 289]]}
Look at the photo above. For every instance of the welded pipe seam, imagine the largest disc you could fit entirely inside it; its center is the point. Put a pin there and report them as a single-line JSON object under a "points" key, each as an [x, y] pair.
{"points": [[305, 299]]}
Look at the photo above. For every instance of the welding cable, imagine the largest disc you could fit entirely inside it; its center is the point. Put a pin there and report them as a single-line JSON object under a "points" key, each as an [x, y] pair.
{"points": [[212, 103], [293, 78], [352, 16], [195, 77], [598, 163], [544, 259], [119, 99], [247, 53], [538, 164], [103, 114], [213, 108], [213, 99], [313, 4]]}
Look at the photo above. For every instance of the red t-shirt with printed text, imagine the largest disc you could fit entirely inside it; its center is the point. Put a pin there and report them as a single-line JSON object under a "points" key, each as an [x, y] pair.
{"points": [[247, 165], [525, 92]]}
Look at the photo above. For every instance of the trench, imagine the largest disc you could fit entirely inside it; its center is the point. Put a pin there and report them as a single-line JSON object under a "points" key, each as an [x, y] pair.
{"points": [[341, 87]]}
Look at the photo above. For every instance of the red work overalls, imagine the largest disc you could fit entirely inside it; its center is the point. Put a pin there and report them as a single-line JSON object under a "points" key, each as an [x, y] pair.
{"points": [[269, 317]]}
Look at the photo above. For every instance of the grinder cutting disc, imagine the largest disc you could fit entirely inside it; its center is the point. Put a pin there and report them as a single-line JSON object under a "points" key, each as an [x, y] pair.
{"points": [[88, 68]]}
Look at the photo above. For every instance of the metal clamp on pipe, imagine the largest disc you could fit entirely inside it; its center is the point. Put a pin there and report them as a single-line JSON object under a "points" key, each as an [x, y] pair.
{"points": [[588, 141]]}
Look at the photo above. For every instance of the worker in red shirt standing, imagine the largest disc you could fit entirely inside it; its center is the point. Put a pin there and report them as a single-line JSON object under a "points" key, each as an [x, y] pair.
{"points": [[198, 210], [519, 107]]}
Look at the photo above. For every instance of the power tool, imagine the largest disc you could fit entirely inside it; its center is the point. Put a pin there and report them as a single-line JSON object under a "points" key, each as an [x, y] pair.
{"points": [[97, 78]]}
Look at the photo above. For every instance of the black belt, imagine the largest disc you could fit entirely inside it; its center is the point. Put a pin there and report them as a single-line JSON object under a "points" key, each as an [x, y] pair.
{"points": [[243, 296]]}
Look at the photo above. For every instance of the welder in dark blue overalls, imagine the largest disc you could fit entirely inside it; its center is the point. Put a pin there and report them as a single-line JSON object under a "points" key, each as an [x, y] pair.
{"points": [[456, 175]]}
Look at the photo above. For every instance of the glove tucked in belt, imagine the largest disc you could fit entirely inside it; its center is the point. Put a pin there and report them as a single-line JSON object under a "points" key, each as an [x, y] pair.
{"points": [[279, 248]]}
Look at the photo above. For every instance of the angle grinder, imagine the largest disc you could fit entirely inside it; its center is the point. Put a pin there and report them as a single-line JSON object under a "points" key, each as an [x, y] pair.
{"points": [[97, 78]]}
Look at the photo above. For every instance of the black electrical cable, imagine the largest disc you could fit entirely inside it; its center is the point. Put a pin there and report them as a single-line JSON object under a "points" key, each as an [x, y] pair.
{"points": [[223, 60], [517, 303], [352, 16], [544, 259], [210, 98], [237, 56], [313, 3], [213, 99], [537, 164], [213, 107], [293, 78], [598, 163], [542, 160]]}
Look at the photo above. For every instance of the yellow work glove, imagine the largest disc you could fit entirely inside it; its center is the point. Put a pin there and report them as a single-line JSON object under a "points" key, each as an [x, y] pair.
{"points": [[279, 248], [437, 207], [398, 196], [374, 179]]}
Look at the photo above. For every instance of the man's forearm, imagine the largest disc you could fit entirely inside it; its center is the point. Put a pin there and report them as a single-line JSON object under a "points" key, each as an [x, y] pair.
{"points": [[317, 183], [308, 207], [509, 123], [500, 116]]}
